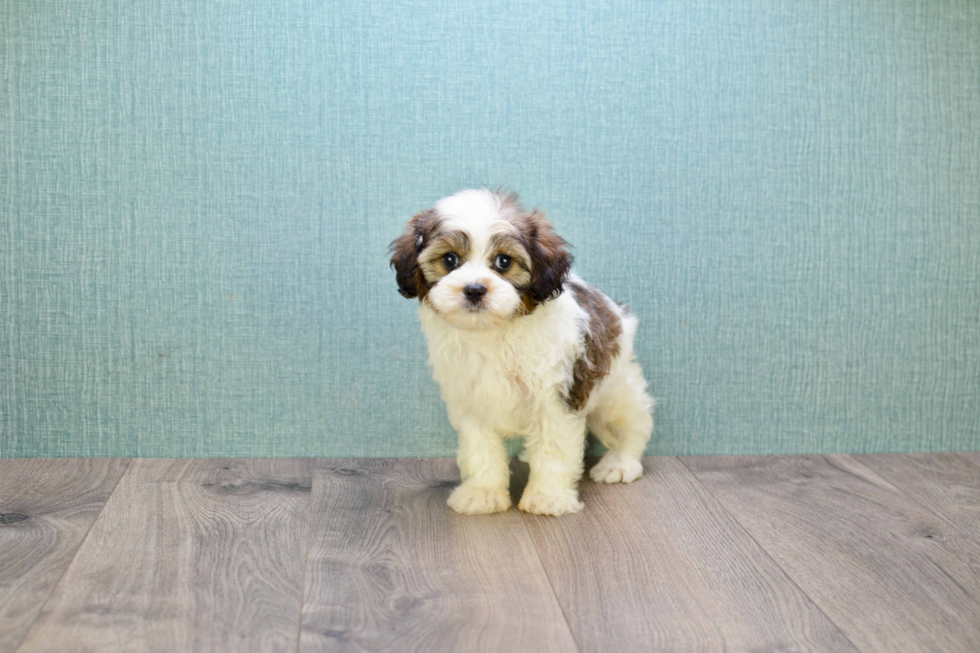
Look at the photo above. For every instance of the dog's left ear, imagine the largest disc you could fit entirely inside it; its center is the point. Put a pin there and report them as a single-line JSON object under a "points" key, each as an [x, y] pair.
{"points": [[405, 255], [550, 258]]}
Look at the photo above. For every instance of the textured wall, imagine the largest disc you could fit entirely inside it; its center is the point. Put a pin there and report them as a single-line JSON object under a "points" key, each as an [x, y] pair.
{"points": [[196, 197]]}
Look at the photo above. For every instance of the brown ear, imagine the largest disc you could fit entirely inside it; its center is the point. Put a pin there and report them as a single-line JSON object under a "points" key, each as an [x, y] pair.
{"points": [[405, 255], [550, 258]]}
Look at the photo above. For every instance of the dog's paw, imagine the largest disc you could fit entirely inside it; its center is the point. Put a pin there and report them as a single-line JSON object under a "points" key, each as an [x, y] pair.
{"points": [[563, 502], [616, 468], [471, 500]]}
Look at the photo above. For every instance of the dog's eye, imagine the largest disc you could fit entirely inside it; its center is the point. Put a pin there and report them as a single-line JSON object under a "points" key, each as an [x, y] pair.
{"points": [[502, 262], [450, 260]]}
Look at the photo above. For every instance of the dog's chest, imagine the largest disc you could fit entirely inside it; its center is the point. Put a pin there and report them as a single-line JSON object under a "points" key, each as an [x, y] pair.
{"points": [[482, 374], [501, 376], [491, 380]]}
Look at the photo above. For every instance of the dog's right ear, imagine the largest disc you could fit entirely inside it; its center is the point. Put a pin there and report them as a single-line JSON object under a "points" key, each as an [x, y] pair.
{"points": [[405, 252]]}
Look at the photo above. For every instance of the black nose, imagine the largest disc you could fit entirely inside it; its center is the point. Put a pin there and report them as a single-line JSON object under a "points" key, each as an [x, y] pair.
{"points": [[475, 292]]}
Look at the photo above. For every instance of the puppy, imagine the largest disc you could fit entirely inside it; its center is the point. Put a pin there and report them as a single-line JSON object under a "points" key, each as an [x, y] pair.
{"points": [[521, 347]]}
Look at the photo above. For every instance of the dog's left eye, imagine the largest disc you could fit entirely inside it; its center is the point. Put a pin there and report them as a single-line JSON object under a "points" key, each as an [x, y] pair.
{"points": [[502, 262]]}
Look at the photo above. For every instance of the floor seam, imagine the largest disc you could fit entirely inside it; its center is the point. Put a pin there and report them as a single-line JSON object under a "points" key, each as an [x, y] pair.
{"points": [[551, 585], [968, 536], [306, 558], [54, 587], [786, 573]]}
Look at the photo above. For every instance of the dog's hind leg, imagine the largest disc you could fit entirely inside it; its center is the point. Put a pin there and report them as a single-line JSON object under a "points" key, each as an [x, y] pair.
{"points": [[623, 422]]}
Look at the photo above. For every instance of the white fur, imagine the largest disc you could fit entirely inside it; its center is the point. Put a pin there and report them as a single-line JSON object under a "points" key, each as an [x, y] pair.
{"points": [[504, 375]]}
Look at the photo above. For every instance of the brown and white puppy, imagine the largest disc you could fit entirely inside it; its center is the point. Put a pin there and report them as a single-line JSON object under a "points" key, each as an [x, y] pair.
{"points": [[521, 347]]}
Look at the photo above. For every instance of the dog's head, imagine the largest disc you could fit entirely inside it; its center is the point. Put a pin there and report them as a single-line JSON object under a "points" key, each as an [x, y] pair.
{"points": [[479, 259]]}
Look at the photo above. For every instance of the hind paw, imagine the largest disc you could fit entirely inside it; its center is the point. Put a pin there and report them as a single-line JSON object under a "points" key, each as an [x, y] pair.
{"points": [[616, 468]]}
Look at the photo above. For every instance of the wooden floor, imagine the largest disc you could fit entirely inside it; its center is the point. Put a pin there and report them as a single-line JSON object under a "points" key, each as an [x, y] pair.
{"points": [[809, 553]]}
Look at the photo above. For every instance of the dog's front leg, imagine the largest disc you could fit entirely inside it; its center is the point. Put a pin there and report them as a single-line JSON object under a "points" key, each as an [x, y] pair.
{"points": [[555, 451], [483, 466]]}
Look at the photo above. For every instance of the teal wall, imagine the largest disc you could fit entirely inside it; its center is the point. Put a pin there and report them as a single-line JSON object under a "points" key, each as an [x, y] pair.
{"points": [[196, 197]]}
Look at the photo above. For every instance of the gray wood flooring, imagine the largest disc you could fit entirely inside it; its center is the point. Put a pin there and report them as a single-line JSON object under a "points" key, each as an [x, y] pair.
{"points": [[787, 553]]}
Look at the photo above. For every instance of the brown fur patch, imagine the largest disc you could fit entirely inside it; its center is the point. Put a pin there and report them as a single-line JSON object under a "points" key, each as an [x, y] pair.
{"points": [[519, 273], [430, 260], [405, 252], [527, 305], [601, 344], [550, 258]]}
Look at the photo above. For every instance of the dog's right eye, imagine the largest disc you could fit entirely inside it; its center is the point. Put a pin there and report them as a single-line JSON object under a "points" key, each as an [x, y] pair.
{"points": [[450, 260]]}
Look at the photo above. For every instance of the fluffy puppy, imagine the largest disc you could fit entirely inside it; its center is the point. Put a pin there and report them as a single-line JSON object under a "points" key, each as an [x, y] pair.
{"points": [[521, 347]]}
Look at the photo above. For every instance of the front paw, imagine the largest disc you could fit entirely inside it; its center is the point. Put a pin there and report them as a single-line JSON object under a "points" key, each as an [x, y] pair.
{"points": [[473, 500], [562, 502]]}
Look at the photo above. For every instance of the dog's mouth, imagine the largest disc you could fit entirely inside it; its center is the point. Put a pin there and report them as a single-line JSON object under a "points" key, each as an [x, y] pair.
{"points": [[473, 317], [475, 305]]}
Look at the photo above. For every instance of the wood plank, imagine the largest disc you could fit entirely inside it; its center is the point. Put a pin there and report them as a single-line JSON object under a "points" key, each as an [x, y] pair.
{"points": [[972, 456], [46, 508], [948, 484], [391, 567], [658, 565], [189, 555], [889, 573]]}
